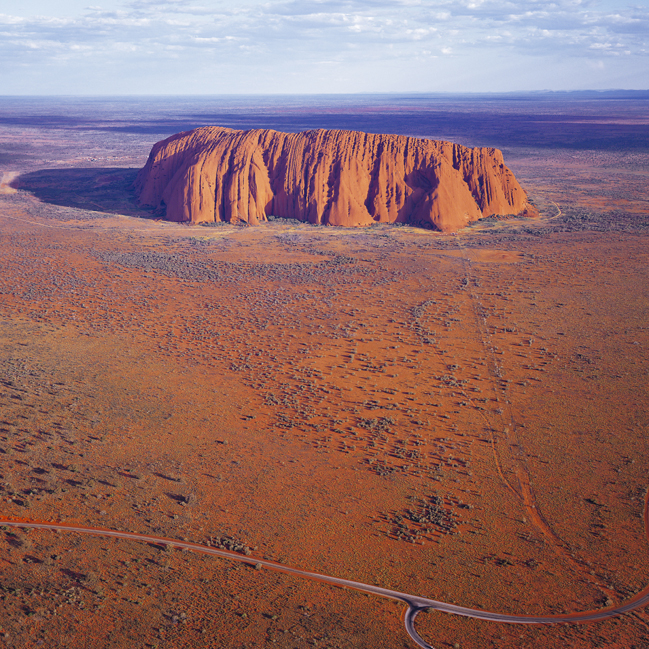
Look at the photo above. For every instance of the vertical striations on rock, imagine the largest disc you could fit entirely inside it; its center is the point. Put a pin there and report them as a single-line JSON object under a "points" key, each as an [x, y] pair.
{"points": [[345, 178]]}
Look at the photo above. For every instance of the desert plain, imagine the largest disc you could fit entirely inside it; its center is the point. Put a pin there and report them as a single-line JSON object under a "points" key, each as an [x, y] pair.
{"points": [[460, 416]]}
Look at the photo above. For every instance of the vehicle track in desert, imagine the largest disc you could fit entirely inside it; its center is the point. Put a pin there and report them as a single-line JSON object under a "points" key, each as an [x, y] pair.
{"points": [[507, 429], [416, 604]]}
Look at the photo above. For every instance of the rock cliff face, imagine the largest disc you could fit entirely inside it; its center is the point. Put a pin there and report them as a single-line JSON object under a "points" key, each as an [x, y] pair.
{"points": [[327, 177]]}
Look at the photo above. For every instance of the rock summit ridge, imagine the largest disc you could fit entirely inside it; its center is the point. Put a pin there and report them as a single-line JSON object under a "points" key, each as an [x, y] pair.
{"points": [[329, 177]]}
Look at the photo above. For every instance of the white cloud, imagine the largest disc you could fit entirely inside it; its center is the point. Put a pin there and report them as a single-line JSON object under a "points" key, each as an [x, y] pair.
{"points": [[333, 22], [299, 33]]}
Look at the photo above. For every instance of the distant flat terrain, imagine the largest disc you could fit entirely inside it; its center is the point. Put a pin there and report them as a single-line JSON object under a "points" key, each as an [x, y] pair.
{"points": [[459, 416]]}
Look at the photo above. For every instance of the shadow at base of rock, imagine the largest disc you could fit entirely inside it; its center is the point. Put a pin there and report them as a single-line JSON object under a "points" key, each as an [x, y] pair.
{"points": [[106, 190]]}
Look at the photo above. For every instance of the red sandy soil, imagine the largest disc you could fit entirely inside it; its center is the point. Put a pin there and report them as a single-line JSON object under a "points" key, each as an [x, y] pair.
{"points": [[5, 182], [462, 417], [597, 180]]}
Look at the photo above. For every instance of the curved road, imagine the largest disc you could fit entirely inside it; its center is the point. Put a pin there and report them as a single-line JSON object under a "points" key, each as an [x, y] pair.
{"points": [[415, 604]]}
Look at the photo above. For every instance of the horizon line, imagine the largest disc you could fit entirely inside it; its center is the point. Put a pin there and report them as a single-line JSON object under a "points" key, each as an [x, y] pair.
{"points": [[446, 93]]}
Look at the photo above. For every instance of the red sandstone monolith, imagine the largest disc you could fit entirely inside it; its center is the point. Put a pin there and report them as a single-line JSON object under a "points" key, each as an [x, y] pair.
{"points": [[345, 178]]}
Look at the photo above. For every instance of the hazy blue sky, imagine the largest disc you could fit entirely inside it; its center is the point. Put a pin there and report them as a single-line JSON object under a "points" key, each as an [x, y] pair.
{"points": [[307, 46]]}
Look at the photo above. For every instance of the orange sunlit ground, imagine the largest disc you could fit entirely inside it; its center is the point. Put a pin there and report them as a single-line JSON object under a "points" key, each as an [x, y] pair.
{"points": [[462, 417]]}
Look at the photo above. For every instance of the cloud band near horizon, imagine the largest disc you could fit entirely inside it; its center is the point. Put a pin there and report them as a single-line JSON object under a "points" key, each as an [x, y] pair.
{"points": [[205, 47]]}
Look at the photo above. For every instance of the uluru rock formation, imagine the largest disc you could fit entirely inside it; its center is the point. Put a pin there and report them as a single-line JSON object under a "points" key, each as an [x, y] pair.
{"points": [[332, 177]]}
